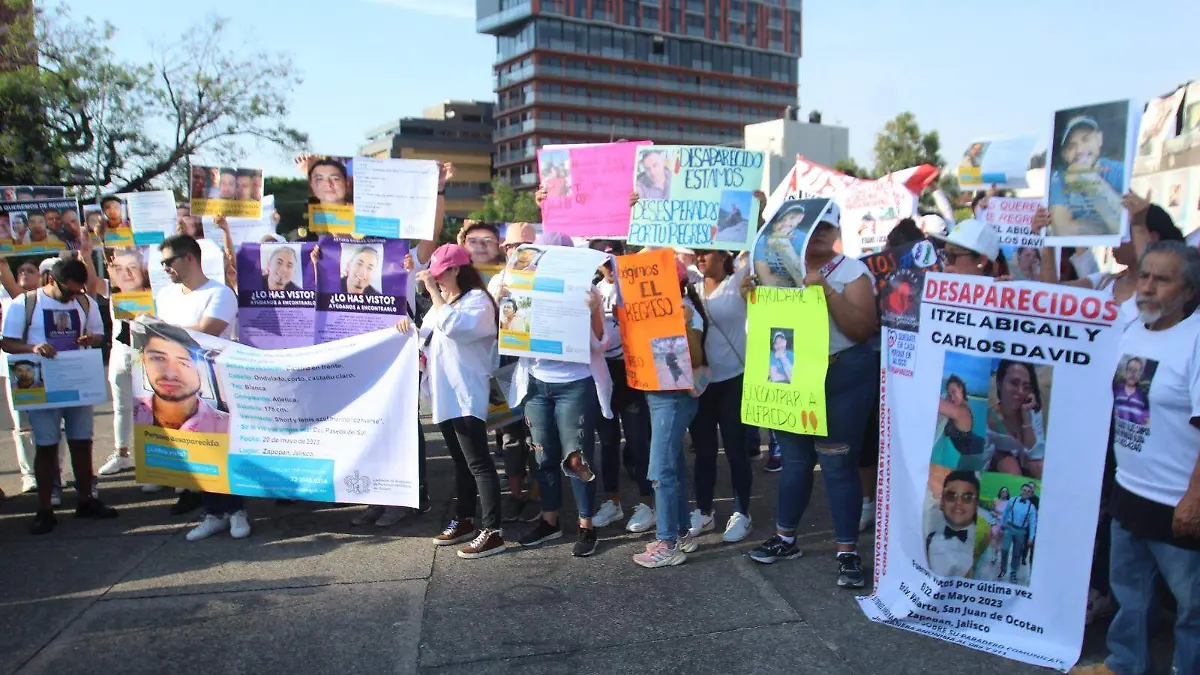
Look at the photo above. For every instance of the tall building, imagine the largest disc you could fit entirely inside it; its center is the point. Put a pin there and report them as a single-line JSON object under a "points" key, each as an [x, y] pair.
{"points": [[671, 71], [781, 140], [452, 131]]}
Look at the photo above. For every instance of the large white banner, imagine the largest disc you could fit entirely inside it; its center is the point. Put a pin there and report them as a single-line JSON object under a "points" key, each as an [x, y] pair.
{"points": [[335, 422], [991, 463]]}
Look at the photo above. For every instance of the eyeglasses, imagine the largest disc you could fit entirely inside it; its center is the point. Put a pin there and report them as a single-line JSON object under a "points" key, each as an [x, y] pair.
{"points": [[964, 498], [950, 256], [168, 262]]}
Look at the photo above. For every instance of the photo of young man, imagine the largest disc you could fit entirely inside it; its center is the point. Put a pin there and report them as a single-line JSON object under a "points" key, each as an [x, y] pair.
{"points": [[950, 544], [173, 365]]}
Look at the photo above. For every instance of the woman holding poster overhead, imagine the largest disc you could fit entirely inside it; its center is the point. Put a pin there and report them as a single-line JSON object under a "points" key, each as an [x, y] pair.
{"points": [[849, 386]]}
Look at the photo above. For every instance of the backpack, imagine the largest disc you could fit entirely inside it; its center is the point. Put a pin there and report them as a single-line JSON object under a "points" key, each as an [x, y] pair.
{"points": [[31, 298]]}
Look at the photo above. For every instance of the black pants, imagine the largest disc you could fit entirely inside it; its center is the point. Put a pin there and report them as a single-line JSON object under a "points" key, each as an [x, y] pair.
{"points": [[631, 412], [474, 471], [721, 407]]}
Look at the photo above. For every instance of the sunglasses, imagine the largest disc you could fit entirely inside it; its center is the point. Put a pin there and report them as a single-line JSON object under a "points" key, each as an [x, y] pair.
{"points": [[950, 256], [67, 293], [963, 498], [167, 262]]}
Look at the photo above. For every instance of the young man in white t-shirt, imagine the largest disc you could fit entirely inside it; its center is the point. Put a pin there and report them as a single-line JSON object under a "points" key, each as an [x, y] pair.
{"points": [[58, 300], [1156, 500]]}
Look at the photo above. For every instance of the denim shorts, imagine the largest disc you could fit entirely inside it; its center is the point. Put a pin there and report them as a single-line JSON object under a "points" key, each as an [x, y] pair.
{"points": [[47, 424]]}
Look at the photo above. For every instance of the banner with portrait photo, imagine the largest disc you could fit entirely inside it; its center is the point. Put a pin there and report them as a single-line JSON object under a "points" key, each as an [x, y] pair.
{"points": [[787, 357], [396, 198], [778, 252], [74, 377], [333, 423], [244, 230], [360, 286], [1157, 125], [1090, 166], [587, 188], [25, 193], [695, 196], [226, 191], [870, 210], [129, 282], [277, 296], [652, 324], [990, 452], [545, 314], [899, 275], [331, 195], [1002, 163], [1012, 221], [39, 226]]}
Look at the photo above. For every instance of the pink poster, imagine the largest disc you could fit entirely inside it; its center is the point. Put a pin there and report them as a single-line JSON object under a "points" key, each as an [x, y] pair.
{"points": [[587, 188]]}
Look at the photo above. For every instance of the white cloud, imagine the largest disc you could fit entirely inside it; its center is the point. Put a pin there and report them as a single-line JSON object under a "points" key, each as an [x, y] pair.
{"points": [[455, 9]]}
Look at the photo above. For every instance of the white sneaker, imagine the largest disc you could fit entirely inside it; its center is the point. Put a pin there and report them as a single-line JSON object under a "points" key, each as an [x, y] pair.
{"points": [[28, 484], [208, 527], [867, 519], [610, 512], [738, 528], [116, 464], [642, 520], [368, 516], [390, 516], [151, 487], [239, 525], [701, 523]]}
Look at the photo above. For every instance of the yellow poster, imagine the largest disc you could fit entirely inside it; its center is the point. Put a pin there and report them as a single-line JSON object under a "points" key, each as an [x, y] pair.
{"points": [[330, 194], [226, 191]]}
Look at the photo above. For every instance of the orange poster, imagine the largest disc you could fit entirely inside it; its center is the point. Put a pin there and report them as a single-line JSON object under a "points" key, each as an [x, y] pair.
{"points": [[652, 322]]}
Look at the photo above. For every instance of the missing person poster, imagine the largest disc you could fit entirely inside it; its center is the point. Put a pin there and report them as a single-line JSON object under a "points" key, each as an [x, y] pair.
{"points": [[277, 295], [1091, 161], [778, 252], [1157, 126], [545, 314], [26, 193], [129, 277], [72, 378], [787, 356], [360, 285], [1001, 163], [695, 196], [587, 188], [38, 226], [244, 230], [332, 423], [652, 323], [870, 210], [226, 191], [331, 195], [899, 275], [989, 451], [1012, 220], [397, 198], [152, 216]]}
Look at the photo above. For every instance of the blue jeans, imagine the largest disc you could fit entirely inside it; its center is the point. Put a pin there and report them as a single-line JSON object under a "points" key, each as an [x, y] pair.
{"points": [[1136, 564], [562, 421], [721, 406], [849, 386], [1016, 540], [670, 414], [47, 425]]}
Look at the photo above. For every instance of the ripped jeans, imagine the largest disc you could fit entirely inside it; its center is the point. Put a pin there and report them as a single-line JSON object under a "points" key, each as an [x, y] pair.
{"points": [[562, 420], [849, 386]]}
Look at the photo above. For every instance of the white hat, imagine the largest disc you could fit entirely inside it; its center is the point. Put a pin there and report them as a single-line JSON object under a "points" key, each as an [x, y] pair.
{"points": [[832, 215], [932, 224], [973, 235], [47, 265]]}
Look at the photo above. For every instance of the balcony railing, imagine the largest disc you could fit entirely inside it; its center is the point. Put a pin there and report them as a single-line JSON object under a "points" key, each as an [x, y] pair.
{"points": [[613, 130], [650, 83], [501, 19], [591, 102]]}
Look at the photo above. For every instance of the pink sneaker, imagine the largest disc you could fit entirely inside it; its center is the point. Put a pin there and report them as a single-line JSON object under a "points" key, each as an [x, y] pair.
{"points": [[660, 554]]}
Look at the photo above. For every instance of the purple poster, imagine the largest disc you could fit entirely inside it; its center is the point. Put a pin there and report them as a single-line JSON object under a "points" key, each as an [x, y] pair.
{"points": [[360, 286], [62, 329], [277, 295]]}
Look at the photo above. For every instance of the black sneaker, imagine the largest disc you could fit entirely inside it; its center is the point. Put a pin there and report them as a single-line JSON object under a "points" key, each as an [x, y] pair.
{"points": [[512, 509], [586, 544], [754, 453], [94, 508], [541, 533], [850, 573], [187, 502], [774, 464], [43, 522], [774, 549]]}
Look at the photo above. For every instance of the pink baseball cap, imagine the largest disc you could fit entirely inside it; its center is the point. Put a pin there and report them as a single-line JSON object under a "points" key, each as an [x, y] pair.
{"points": [[447, 256], [681, 270]]}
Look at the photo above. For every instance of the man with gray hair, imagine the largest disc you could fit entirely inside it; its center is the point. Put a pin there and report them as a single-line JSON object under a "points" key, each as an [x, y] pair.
{"points": [[1156, 499]]}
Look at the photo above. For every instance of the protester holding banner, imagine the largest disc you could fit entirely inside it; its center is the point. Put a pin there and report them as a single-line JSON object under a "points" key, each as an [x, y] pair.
{"points": [[849, 385], [971, 248], [561, 400]]}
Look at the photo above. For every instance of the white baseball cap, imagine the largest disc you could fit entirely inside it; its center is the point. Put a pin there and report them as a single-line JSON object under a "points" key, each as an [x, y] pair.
{"points": [[932, 224], [832, 215], [973, 235], [47, 265]]}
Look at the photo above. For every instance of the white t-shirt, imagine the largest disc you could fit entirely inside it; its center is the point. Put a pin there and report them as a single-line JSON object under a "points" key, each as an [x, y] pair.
{"points": [[5, 299], [463, 354], [211, 300], [48, 310], [608, 294], [726, 341], [1153, 439], [1103, 281], [838, 274]]}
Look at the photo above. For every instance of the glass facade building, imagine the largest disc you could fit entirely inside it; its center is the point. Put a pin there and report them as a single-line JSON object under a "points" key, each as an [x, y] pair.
{"points": [[671, 71]]}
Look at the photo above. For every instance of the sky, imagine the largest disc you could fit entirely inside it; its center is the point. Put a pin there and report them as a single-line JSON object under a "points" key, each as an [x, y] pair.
{"points": [[967, 70]]}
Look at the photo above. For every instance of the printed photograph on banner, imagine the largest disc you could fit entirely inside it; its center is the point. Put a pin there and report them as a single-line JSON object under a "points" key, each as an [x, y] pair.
{"points": [[1024, 262], [548, 315], [973, 157], [362, 269], [282, 267], [996, 162], [587, 187], [118, 231], [129, 283], [649, 313], [779, 250], [671, 362], [783, 355], [331, 195], [225, 190], [1091, 159], [1157, 123], [276, 295], [733, 222], [25, 193], [1131, 400], [1175, 196], [47, 225], [554, 167], [514, 315], [899, 275], [1009, 507], [1191, 109], [25, 374], [73, 377], [654, 173], [360, 285]]}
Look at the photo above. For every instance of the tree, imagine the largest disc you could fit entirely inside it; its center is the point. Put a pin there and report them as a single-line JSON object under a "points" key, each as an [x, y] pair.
{"points": [[851, 168], [901, 145], [506, 205]]}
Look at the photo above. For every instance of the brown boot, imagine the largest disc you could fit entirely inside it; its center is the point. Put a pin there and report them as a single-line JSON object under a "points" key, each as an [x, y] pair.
{"points": [[456, 532]]}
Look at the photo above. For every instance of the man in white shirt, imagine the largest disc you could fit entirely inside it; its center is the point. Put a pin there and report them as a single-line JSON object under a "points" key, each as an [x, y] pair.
{"points": [[31, 331], [1156, 500]]}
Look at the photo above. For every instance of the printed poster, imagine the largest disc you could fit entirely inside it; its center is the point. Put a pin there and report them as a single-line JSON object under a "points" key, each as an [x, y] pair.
{"points": [[334, 423], [997, 162], [28, 193], [277, 295], [984, 462], [587, 188], [696, 196], [1012, 220], [778, 252], [787, 356], [331, 195], [870, 210], [244, 230], [1191, 109], [133, 219], [360, 286], [1191, 221], [1158, 124], [73, 377], [1176, 198], [129, 286], [227, 191], [899, 275], [545, 314], [1091, 162], [652, 324], [397, 198], [49, 225]]}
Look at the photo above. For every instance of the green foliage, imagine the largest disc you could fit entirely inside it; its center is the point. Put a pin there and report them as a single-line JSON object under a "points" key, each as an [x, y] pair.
{"points": [[291, 201], [506, 205], [901, 145], [850, 167]]}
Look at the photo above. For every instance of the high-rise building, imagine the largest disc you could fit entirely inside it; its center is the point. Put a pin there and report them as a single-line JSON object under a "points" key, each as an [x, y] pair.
{"points": [[452, 131], [670, 71]]}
